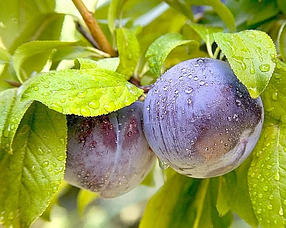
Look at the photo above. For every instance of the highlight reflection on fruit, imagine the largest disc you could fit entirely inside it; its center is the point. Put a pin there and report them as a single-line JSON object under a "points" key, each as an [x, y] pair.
{"points": [[200, 120]]}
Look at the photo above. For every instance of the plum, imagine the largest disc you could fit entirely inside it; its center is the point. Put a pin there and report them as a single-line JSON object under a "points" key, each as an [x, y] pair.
{"points": [[108, 154], [200, 119]]}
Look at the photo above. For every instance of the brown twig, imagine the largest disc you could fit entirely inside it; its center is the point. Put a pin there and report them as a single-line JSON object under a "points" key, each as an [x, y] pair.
{"points": [[94, 28]]}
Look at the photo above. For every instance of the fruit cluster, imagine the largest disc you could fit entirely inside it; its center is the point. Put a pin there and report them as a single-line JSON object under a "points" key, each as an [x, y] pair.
{"points": [[197, 118]]}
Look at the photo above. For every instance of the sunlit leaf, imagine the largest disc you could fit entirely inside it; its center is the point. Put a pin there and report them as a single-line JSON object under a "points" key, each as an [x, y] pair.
{"points": [[86, 92], [129, 51], [31, 176], [35, 49], [160, 48], [266, 176], [282, 41], [13, 111], [250, 55], [274, 96], [4, 56]]}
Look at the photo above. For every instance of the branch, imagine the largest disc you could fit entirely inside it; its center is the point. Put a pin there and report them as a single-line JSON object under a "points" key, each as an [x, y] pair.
{"points": [[94, 28], [87, 35]]}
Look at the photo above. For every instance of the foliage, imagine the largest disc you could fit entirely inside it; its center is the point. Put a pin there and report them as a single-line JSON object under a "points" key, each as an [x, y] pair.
{"points": [[44, 75]]}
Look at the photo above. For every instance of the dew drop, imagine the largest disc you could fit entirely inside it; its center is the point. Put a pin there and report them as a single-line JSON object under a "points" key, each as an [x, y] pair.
{"points": [[36, 88], [259, 211], [62, 141], [281, 211], [63, 100], [82, 94], [260, 195], [277, 176], [189, 89], [45, 164], [265, 188], [33, 168], [85, 111], [163, 165], [129, 56], [40, 151], [275, 96], [270, 207], [56, 107], [94, 104], [109, 107], [264, 67], [252, 70]]}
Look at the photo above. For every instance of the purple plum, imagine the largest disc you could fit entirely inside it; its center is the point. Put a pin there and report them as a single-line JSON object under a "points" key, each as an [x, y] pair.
{"points": [[200, 119], [108, 154]]}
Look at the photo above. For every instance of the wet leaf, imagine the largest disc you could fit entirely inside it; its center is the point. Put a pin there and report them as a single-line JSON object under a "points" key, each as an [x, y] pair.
{"points": [[12, 110], [129, 51], [250, 54], [32, 174], [160, 48], [282, 41], [86, 92], [266, 176], [274, 96]]}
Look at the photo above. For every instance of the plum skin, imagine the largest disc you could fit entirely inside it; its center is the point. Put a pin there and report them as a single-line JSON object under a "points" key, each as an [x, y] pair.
{"points": [[200, 119], [108, 154]]}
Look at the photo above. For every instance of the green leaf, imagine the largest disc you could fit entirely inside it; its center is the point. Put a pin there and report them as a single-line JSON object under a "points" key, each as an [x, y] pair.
{"points": [[282, 41], [206, 33], [40, 27], [4, 56], [40, 50], [84, 199], [129, 51], [250, 54], [107, 63], [62, 188], [227, 186], [266, 176], [248, 13], [160, 48], [173, 212], [223, 12], [6, 101], [282, 5], [16, 14], [31, 176], [13, 110], [274, 96], [217, 220], [182, 7], [86, 92], [114, 11], [243, 210]]}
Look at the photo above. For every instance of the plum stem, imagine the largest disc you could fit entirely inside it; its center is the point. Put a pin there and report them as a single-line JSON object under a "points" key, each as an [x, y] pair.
{"points": [[217, 50], [94, 28], [209, 49]]}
